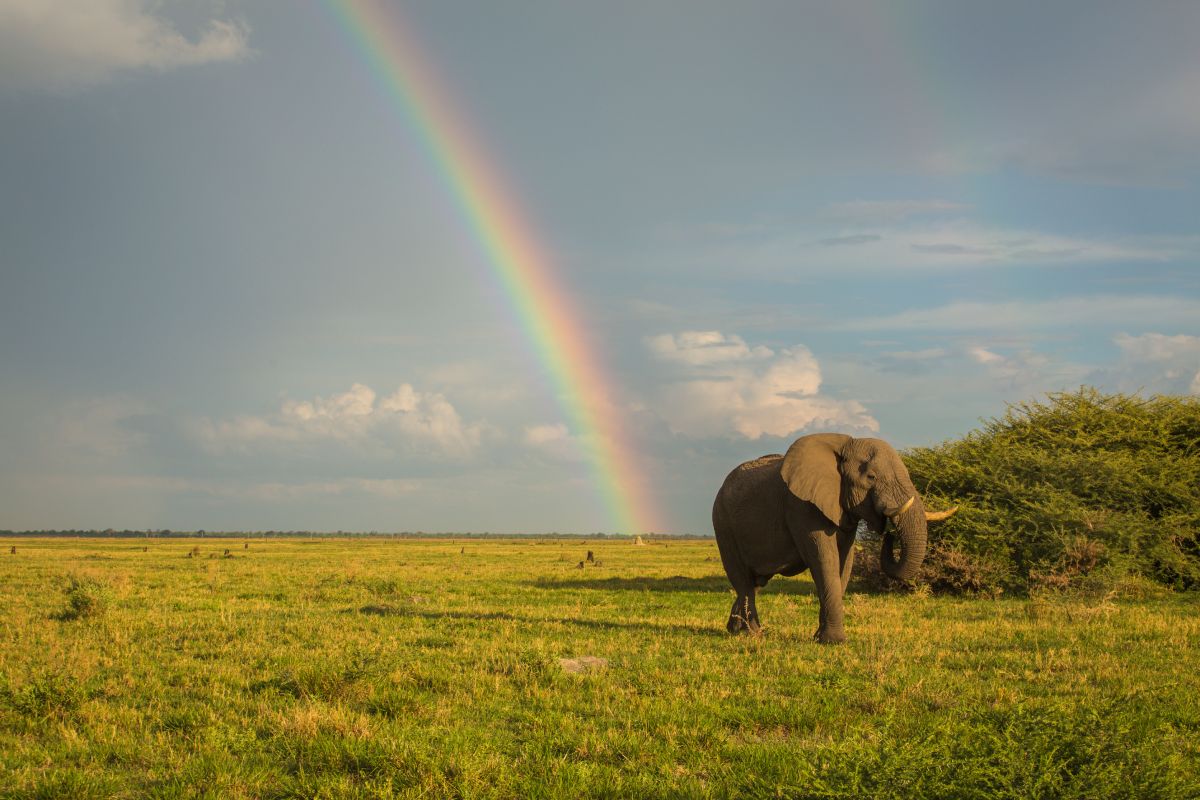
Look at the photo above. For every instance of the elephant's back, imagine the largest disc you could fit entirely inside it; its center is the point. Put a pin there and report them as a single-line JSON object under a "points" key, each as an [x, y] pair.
{"points": [[748, 482]]}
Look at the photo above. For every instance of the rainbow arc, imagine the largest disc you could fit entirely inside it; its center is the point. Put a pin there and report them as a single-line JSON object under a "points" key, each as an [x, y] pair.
{"points": [[511, 248]]}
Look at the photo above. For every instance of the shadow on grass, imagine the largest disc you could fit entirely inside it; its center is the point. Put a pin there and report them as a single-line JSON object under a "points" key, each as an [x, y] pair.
{"points": [[492, 616], [709, 584]]}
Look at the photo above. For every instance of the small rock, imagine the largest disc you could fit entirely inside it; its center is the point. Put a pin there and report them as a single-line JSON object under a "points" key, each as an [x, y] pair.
{"points": [[582, 664]]}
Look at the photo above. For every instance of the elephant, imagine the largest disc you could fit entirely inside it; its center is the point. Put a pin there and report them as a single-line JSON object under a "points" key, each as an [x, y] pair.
{"points": [[782, 514]]}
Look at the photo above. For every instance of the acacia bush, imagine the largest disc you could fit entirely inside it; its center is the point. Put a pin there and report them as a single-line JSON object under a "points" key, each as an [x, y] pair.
{"points": [[1080, 490], [85, 598]]}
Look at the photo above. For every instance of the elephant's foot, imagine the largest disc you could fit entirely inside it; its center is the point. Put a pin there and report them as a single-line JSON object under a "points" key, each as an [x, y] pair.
{"points": [[743, 617], [738, 625], [830, 636]]}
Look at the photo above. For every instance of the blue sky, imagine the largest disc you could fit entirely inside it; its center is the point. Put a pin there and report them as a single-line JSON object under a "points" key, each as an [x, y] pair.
{"points": [[235, 295]]}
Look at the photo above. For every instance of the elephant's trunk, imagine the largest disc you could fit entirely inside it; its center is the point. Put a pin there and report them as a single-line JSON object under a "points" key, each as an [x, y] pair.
{"points": [[911, 528]]}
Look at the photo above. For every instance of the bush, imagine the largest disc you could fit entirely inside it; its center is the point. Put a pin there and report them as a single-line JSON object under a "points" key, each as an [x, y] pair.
{"points": [[1078, 488], [946, 570], [85, 598], [47, 695]]}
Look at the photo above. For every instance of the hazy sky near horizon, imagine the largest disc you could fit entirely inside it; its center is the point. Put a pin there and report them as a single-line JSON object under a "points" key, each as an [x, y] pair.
{"points": [[235, 294]]}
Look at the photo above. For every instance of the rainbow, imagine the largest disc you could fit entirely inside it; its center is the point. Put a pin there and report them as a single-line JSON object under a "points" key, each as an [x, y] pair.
{"points": [[509, 244]]}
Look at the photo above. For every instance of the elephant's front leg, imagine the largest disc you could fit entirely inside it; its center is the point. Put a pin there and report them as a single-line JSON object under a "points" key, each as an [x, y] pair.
{"points": [[846, 554], [826, 562]]}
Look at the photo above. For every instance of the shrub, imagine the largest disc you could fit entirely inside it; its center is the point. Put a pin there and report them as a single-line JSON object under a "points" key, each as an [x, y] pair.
{"points": [[946, 570], [85, 598], [1080, 487], [47, 695]]}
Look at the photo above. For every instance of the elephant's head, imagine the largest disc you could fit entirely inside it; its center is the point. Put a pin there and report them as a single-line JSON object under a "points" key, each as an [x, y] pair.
{"points": [[850, 479]]}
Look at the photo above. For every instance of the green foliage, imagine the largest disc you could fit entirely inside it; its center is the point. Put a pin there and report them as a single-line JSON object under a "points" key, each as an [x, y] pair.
{"points": [[85, 598], [48, 695], [1082, 490]]}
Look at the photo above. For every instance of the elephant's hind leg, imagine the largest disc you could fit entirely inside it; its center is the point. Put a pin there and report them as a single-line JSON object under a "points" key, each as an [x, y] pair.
{"points": [[743, 616]]}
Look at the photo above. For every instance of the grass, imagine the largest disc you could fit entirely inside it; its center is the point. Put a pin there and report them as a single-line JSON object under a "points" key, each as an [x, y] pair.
{"points": [[381, 668]]}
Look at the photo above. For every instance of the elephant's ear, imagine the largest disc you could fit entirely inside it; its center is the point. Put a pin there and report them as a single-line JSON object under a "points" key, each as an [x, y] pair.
{"points": [[811, 472]]}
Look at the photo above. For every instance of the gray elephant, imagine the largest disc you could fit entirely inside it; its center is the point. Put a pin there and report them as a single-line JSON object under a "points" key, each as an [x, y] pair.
{"points": [[780, 515]]}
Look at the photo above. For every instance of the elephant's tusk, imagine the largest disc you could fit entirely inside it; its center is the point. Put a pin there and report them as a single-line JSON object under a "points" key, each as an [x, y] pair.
{"points": [[907, 505], [937, 516]]}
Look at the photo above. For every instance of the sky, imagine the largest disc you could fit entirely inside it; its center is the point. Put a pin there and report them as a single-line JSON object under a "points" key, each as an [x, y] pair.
{"points": [[237, 291]]}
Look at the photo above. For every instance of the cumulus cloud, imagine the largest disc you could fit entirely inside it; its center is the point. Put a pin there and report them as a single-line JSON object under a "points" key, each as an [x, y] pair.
{"points": [[1156, 362], [406, 420], [556, 441], [727, 388], [698, 348], [538, 435], [63, 44]]}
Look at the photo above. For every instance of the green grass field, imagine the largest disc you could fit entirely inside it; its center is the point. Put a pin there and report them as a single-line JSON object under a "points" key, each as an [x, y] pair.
{"points": [[381, 668]]}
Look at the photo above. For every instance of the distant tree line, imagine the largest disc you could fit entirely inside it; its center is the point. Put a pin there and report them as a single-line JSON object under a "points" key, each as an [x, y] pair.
{"points": [[112, 533]]}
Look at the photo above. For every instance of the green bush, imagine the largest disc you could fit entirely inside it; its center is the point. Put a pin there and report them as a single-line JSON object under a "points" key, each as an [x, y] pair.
{"points": [[1083, 489], [85, 598], [47, 695]]}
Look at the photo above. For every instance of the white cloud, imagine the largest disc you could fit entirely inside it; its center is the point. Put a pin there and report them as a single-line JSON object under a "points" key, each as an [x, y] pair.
{"points": [[546, 434], [728, 388], [984, 356], [405, 420], [1025, 369], [703, 347], [1155, 362], [1158, 347], [358, 402], [63, 44], [556, 441]]}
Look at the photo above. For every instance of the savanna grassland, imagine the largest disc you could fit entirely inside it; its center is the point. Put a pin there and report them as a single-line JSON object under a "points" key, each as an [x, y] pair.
{"points": [[410, 668]]}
